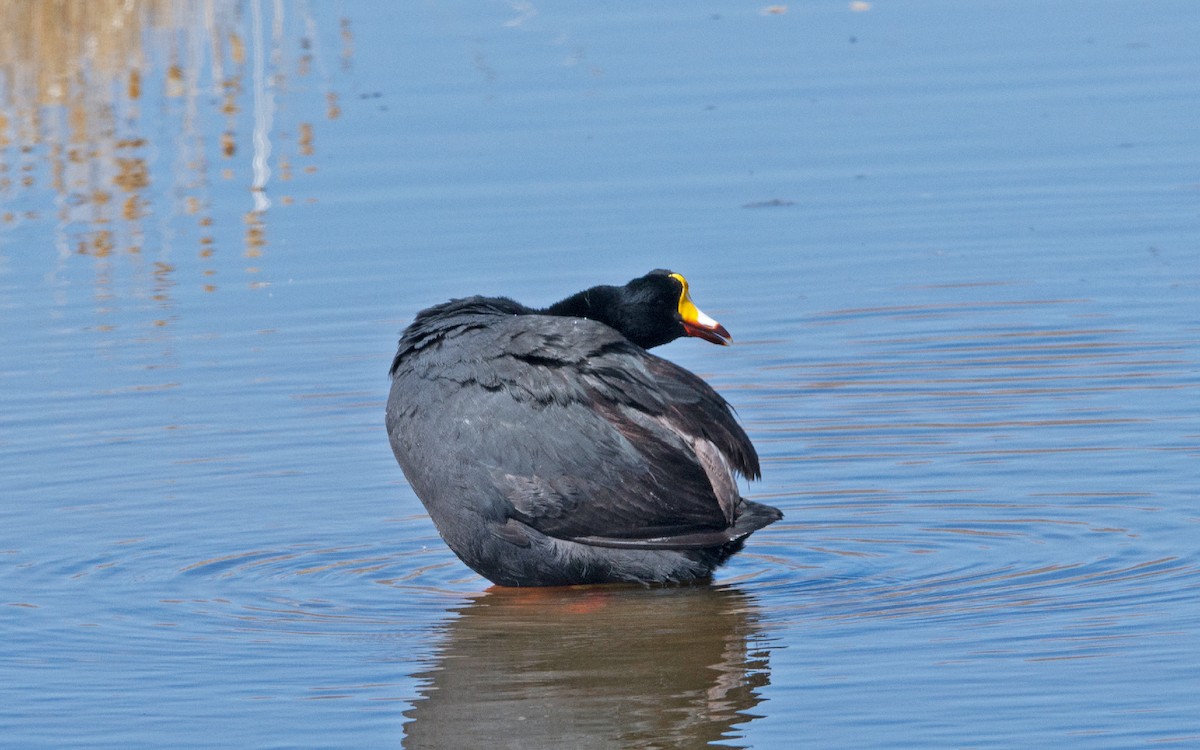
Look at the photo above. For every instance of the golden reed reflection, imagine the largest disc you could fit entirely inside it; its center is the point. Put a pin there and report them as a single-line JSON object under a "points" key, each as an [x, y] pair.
{"points": [[135, 125]]}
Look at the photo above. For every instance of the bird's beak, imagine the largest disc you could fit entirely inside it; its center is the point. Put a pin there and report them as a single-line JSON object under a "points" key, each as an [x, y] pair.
{"points": [[696, 323]]}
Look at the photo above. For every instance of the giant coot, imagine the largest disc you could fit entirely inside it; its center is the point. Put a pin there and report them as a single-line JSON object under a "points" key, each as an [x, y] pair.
{"points": [[550, 448]]}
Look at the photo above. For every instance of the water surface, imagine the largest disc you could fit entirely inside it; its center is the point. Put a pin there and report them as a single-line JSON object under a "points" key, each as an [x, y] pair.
{"points": [[957, 245]]}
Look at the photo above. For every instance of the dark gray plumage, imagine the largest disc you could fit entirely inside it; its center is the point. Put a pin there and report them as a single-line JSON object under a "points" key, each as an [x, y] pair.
{"points": [[550, 449]]}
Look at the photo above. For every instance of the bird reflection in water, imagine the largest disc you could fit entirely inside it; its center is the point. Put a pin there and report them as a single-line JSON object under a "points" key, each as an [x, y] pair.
{"points": [[593, 667]]}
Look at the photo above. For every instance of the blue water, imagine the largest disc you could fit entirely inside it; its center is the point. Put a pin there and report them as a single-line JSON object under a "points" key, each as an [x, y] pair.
{"points": [[958, 246]]}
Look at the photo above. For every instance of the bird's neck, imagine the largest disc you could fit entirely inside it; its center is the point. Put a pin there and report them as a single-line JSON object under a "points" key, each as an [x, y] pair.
{"points": [[596, 304]]}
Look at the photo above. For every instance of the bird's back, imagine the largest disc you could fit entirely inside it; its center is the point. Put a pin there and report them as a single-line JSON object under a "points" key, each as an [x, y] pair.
{"points": [[556, 439]]}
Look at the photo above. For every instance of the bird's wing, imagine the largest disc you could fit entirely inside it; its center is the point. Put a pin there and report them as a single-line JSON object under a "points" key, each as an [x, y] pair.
{"points": [[577, 433]]}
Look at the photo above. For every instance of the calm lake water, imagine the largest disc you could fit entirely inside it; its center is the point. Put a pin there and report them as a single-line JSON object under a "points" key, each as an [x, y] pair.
{"points": [[958, 245]]}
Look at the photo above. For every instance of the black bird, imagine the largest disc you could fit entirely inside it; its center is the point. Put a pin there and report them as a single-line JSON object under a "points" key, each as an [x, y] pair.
{"points": [[550, 448]]}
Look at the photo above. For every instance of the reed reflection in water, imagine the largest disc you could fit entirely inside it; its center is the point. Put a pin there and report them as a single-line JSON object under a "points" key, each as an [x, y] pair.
{"points": [[594, 667], [126, 116]]}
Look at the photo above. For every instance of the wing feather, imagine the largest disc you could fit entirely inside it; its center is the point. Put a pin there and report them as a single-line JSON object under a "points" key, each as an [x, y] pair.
{"points": [[571, 430]]}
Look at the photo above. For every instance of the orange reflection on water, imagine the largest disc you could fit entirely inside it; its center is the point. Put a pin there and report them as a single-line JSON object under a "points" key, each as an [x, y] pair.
{"points": [[120, 119]]}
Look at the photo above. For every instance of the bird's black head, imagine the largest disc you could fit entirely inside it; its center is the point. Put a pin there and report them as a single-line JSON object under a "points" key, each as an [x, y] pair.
{"points": [[649, 311]]}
